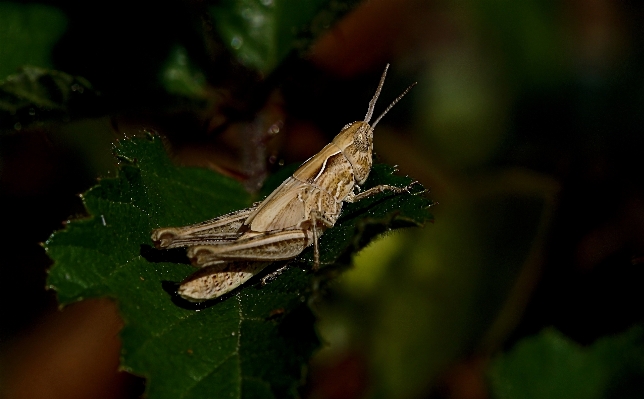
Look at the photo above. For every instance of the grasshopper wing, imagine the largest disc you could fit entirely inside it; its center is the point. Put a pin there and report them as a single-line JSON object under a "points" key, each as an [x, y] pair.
{"points": [[290, 206], [283, 209]]}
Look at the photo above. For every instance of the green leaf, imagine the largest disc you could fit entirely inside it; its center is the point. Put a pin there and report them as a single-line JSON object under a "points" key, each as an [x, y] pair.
{"points": [[262, 32], [253, 342], [551, 366], [28, 33]]}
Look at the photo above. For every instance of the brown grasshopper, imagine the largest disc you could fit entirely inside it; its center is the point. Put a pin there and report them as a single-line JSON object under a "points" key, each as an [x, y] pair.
{"points": [[234, 247]]}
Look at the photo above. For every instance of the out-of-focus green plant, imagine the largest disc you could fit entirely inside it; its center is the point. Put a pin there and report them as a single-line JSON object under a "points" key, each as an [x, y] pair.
{"points": [[550, 365], [28, 33]]}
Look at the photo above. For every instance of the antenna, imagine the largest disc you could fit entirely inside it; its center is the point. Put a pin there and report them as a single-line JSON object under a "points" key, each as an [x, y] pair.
{"points": [[372, 103], [390, 105]]}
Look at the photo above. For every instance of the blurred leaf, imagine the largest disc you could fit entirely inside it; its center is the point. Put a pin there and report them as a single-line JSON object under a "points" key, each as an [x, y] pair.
{"points": [[180, 76], [531, 35], [262, 32], [28, 33], [371, 265], [37, 95], [252, 342], [549, 365], [465, 112]]}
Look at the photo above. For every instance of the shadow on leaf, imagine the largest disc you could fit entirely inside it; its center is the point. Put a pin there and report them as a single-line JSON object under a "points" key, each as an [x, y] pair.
{"points": [[174, 255]]}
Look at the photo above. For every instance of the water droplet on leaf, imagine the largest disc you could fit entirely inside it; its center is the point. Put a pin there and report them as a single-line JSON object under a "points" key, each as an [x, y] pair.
{"points": [[236, 42]]}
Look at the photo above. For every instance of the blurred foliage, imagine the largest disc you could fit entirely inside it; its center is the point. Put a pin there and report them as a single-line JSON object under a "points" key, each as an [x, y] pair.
{"points": [[263, 32], [36, 95], [529, 35], [442, 280], [28, 33], [550, 365], [180, 76]]}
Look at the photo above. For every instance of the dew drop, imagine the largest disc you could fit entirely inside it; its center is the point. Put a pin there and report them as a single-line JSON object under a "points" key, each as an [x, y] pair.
{"points": [[78, 88], [32, 111], [17, 126], [274, 129], [236, 42]]}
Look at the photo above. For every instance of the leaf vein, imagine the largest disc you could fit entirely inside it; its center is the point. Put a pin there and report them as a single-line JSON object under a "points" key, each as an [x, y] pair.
{"points": [[209, 373]]}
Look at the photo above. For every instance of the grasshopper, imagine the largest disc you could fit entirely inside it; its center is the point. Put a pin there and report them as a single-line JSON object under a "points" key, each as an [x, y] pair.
{"points": [[234, 247]]}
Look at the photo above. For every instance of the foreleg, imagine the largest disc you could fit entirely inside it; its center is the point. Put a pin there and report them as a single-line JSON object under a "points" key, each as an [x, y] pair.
{"points": [[352, 197]]}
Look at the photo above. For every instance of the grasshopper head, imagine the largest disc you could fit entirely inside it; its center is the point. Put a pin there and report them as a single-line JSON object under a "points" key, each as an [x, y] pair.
{"points": [[356, 143], [356, 139]]}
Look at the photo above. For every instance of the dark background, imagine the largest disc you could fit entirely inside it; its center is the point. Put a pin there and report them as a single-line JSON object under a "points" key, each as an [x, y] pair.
{"points": [[526, 124]]}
